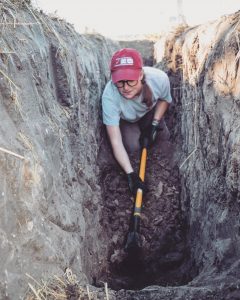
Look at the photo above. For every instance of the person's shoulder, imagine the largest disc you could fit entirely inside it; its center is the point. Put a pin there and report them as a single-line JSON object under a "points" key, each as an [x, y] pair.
{"points": [[159, 83], [109, 85], [109, 88], [154, 72], [155, 77]]}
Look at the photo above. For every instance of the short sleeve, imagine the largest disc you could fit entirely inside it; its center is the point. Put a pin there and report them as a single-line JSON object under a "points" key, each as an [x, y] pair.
{"points": [[110, 106], [165, 93]]}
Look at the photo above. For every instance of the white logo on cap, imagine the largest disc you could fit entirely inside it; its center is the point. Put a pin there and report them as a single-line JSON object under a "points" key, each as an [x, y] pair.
{"points": [[124, 61]]}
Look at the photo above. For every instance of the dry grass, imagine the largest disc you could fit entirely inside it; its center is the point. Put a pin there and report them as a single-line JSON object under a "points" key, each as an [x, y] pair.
{"points": [[19, 23], [13, 91], [189, 156], [64, 288], [12, 153], [30, 170], [20, 2], [238, 43], [26, 141], [9, 79], [62, 50], [10, 10]]}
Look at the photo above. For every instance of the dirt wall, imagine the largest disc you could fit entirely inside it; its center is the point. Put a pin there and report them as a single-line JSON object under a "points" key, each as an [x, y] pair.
{"points": [[51, 81], [204, 61]]}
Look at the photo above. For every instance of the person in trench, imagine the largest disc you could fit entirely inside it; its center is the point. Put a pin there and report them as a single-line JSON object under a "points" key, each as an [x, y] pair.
{"points": [[134, 102]]}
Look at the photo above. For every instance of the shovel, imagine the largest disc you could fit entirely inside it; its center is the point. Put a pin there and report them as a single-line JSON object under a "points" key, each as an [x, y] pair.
{"points": [[133, 239]]}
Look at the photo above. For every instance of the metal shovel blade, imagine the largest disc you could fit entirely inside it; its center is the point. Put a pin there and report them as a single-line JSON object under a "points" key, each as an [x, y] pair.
{"points": [[133, 242]]}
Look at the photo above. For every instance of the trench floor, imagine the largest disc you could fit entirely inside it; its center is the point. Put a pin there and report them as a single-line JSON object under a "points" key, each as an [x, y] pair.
{"points": [[163, 258]]}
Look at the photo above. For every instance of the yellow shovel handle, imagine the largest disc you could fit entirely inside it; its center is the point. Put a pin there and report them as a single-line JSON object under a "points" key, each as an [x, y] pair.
{"points": [[138, 201], [143, 164]]}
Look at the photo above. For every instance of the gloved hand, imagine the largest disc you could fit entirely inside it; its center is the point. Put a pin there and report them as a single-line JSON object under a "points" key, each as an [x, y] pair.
{"points": [[135, 182], [148, 135]]}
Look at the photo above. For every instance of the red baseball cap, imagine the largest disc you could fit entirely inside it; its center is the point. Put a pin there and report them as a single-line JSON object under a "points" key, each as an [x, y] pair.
{"points": [[126, 64]]}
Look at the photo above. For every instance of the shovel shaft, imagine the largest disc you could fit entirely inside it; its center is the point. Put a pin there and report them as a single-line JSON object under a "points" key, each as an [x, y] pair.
{"points": [[138, 203], [139, 195], [136, 223], [133, 239], [143, 164]]}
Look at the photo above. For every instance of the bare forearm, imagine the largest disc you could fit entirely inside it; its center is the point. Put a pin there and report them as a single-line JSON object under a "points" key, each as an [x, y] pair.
{"points": [[160, 110], [118, 148], [122, 157]]}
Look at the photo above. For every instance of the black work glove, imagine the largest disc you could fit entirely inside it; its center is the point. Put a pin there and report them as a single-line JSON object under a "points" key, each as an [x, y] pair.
{"points": [[148, 135], [135, 182]]}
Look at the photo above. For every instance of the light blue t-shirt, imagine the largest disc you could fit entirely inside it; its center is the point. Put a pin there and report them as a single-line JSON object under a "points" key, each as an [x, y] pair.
{"points": [[116, 107]]}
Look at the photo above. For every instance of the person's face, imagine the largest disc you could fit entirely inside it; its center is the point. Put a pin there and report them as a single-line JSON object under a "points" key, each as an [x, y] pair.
{"points": [[129, 89]]}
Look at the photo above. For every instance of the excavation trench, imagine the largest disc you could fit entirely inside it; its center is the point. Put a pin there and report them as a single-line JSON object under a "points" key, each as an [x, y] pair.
{"points": [[164, 258], [65, 206]]}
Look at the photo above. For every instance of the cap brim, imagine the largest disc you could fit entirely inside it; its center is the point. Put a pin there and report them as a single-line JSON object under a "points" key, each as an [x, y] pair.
{"points": [[125, 74]]}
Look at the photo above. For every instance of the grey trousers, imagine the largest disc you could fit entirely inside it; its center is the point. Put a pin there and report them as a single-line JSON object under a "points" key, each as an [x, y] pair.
{"points": [[131, 131]]}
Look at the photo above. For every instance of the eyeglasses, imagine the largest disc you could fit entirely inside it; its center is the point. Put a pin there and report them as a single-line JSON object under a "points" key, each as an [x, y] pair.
{"points": [[121, 83]]}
